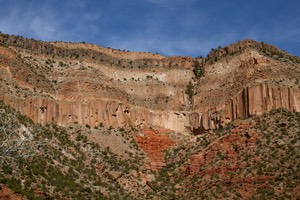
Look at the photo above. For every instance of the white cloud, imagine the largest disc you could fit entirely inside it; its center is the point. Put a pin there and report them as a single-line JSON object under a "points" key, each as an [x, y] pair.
{"points": [[47, 22], [44, 29]]}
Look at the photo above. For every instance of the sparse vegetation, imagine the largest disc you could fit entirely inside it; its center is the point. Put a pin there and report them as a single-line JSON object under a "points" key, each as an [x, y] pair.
{"points": [[263, 169], [117, 93], [198, 70], [50, 160], [190, 91]]}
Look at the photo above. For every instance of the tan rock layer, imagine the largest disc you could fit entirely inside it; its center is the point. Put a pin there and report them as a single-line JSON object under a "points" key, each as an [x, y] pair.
{"points": [[94, 112], [253, 100]]}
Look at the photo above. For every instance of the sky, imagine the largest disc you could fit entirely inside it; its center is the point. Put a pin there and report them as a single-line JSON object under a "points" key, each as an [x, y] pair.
{"points": [[167, 27]]}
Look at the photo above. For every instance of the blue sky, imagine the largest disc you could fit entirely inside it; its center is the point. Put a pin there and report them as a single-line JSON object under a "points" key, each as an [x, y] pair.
{"points": [[168, 27]]}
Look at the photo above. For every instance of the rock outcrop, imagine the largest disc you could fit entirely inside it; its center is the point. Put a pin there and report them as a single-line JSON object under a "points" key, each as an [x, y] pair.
{"points": [[250, 101], [95, 112], [154, 143], [68, 83], [254, 100]]}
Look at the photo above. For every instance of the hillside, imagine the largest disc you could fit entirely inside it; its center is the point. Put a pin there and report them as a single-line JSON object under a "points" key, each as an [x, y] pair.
{"points": [[256, 158], [87, 84], [80, 121]]}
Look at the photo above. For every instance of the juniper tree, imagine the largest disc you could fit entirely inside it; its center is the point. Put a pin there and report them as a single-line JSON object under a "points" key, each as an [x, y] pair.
{"points": [[190, 90], [198, 70]]}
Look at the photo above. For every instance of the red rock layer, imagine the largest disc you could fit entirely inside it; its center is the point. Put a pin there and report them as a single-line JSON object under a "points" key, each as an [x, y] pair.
{"points": [[154, 144]]}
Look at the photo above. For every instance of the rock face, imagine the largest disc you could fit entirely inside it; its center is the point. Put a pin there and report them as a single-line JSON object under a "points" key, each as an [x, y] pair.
{"points": [[106, 112], [67, 83], [254, 100], [251, 101]]}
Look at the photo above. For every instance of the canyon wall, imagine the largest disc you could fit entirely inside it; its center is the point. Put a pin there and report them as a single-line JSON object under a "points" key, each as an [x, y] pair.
{"points": [[254, 100], [251, 101], [109, 112]]}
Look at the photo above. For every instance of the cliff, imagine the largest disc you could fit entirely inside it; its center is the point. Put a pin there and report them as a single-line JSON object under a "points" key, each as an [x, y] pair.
{"points": [[67, 83], [251, 101]]}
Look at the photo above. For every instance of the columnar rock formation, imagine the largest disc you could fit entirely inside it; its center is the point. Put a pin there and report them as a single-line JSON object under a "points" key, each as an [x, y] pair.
{"points": [[254, 100], [67, 83], [250, 101]]}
